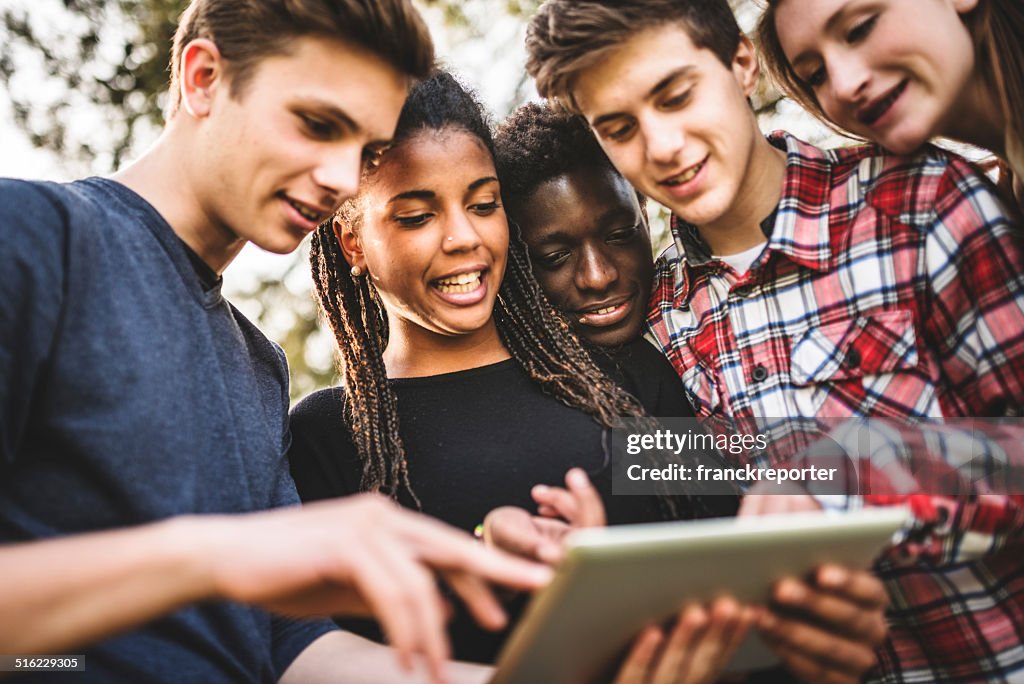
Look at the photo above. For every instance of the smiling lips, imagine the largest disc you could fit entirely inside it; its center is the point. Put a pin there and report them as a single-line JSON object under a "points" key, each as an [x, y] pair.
{"points": [[459, 284], [311, 215], [605, 315], [686, 176], [874, 111]]}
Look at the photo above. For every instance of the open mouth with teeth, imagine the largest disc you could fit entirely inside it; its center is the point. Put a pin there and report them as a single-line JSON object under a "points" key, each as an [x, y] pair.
{"points": [[304, 210], [873, 113], [459, 284], [687, 175], [606, 315]]}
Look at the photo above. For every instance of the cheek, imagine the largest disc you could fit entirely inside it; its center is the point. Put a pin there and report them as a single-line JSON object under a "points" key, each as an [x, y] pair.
{"points": [[555, 284], [637, 266]]}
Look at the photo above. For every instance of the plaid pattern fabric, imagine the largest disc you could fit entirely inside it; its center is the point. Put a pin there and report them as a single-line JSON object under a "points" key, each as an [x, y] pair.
{"points": [[889, 287]]}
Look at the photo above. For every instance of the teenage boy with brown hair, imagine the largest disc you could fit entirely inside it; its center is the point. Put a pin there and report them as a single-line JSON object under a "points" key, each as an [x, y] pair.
{"points": [[133, 396], [805, 283]]}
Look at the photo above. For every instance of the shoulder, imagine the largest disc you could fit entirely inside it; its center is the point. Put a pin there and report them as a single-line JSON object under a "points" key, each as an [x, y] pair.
{"points": [[36, 218], [34, 213], [318, 407], [646, 374], [929, 189], [323, 460], [266, 349]]}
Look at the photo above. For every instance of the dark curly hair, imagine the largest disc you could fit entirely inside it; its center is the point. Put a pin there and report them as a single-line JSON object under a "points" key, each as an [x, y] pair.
{"points": [[532, 330], [537, 143]]}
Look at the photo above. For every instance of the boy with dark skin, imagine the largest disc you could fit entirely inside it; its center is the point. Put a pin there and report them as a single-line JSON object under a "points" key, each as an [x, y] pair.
{"points": [[805, 283], [591, 251], [145, 420]]}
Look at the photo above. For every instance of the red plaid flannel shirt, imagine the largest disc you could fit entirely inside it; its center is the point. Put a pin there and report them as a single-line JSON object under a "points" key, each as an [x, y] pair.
{"points": [[889, 287]]}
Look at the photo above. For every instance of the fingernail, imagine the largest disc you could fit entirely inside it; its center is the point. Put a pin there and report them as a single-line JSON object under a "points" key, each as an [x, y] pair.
{"points": [[577, 478], [832, 575], [791, 592]]}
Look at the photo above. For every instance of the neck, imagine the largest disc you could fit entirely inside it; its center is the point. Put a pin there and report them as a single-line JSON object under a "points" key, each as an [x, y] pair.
{"points": [[739, 227], [415, 352], [162, 176], [977, 118]]}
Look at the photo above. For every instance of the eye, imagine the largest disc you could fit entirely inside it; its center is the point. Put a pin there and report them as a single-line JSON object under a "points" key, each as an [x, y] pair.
{"points": [[861, 30], [318, 128], [554, 259], [618, 133], [816, 78], [485, 208], [623, 235], [413, 221], [676, 100]]}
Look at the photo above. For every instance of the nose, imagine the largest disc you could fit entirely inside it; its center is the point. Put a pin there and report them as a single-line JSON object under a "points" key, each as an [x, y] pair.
{"points": [[338, 173], [664, 139], [849, 77], [460, 233], [594, 271]]}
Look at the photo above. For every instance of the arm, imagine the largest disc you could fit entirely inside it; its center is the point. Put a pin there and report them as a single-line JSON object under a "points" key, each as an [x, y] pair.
{"points": [[359, 556], [344, 657]]}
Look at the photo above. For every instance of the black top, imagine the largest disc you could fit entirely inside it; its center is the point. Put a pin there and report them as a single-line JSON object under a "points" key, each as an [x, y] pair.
{"points": [[481, 438]]}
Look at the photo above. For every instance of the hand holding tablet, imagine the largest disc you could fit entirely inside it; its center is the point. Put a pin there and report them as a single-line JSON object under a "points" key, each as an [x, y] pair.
{"points": [[614, 581]]}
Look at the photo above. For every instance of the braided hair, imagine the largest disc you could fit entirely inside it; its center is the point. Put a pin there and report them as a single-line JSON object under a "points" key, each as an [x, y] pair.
{"points": [[538, 338]]}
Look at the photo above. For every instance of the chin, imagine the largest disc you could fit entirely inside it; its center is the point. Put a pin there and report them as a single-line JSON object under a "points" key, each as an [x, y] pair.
{"points": [[617, 337]]}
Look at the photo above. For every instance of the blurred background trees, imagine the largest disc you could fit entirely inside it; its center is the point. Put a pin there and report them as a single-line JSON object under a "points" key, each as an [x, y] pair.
{"points": [[87, 81]]}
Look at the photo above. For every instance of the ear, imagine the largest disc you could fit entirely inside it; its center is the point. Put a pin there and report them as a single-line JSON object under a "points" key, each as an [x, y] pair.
{"points": [[202, 72], [745, 67], [964, 6], [351, 246]]}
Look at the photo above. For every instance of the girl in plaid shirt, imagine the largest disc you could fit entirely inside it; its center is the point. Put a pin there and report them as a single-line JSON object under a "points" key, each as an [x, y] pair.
{"points": [[900, 73]]}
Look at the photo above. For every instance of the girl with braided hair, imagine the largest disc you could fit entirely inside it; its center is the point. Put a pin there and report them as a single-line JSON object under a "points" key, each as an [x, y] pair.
{"points": [[462, 387]]}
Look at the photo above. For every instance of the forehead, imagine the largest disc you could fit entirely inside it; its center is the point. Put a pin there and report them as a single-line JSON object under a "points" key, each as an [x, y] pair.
{"points": [[626, 76], [799, 23], [580, 200], [449, 159], [336, 74]]}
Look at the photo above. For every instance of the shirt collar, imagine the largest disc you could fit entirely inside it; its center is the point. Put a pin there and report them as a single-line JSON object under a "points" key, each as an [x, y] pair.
{"points": [[799, 226]]}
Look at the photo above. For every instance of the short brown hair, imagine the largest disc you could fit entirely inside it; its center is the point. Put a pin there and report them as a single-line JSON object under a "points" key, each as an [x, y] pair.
{"points": [[567, 36], [247, 31]]}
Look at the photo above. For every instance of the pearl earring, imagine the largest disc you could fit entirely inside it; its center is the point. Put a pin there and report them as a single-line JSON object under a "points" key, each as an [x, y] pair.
{"points": [[356, 271]]}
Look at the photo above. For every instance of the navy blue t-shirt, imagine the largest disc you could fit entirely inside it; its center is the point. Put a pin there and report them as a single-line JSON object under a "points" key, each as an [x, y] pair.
{"points": [[130, 393]]}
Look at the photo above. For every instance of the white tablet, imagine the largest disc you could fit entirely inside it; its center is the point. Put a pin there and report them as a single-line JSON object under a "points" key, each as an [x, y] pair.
{"points": [[616, 580]]}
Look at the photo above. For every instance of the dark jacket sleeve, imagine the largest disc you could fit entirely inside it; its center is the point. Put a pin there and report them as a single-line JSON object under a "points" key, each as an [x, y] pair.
{"points": [[33, 249]]}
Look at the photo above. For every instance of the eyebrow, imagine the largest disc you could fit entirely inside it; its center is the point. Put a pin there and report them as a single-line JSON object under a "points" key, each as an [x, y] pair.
{"points": [[482, 181], [430, 194], [413, 194], [661, 85]]}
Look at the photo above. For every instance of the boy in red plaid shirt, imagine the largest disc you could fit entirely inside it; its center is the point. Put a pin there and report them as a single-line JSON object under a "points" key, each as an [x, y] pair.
{"points": [[811, 284]]}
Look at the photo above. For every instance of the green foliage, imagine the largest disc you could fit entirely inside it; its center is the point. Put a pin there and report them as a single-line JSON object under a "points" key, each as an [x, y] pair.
{"points": [[87, 79], [98, 74]]}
